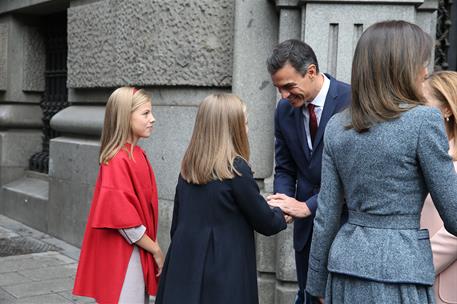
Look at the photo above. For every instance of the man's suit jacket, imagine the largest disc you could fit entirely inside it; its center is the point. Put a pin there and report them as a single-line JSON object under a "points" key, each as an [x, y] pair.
{"points": [[383, 176], [297, 171], [444, 248]]}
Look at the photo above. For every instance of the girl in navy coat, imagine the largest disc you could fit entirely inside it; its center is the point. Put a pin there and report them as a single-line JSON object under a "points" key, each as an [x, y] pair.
{"points": [[211, 258]]}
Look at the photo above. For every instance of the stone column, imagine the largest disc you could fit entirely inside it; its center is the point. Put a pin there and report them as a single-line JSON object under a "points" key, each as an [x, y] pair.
{"points": [[22, 60]]}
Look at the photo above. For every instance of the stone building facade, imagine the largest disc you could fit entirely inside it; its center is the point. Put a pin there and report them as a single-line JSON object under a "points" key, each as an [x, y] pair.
{"points": [[180, 51]]}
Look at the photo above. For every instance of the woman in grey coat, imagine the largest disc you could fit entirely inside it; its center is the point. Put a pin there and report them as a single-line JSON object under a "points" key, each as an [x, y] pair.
{"points": [[381, 158]]}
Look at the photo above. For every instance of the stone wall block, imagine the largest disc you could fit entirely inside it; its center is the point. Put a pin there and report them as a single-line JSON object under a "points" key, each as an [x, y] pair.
{"points": [[74, 159], [34, 60], [4, 29], [165, 217], [285, 292], [266, 253], [266, 284], [255, 36], [335, 39], [73, 169], [92, 56], [167, 144], [69, 205], [20, 116], [17, 146], [285, 255], [113, 42]]}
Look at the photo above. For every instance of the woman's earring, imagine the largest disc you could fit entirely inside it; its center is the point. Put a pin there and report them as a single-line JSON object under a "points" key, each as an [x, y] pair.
{"points": [[447, 119]]}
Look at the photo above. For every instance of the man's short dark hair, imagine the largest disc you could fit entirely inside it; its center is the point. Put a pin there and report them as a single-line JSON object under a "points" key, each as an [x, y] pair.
{"points": [[294, 52]]}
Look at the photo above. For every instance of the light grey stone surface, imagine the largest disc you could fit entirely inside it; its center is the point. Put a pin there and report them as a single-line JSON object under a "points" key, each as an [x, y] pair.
{"points": [[34, 60], [3, 54], [11, 278], [266, 283], [266, 253], [26, 200], [165, 216], [333, 30], [86, 120], [255, 36], [16, 146], [167, 144], [43, 299], [285, 292], [290, 24], [73, 169], [285, 255], [20, 116], [161, 95], [15, 28], [49, 273], [112, 43], [39, 288]]}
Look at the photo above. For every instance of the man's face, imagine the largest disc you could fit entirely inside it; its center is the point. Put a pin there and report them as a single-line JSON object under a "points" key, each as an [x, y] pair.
{"points": [[293, 86]]}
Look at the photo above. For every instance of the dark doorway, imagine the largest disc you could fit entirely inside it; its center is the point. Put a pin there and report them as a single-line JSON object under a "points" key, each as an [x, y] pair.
{"points": [[55, 96]]}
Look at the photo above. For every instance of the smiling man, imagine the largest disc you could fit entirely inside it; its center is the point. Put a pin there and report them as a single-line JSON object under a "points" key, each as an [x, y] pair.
{"points": [[308, 100]]}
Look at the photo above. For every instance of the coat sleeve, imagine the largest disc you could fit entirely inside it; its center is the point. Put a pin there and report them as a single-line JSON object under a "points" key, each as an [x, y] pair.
{"points": [[264, 220], [285, 178], [438, 169], [113, 205], [326, 222], [444, 247]]}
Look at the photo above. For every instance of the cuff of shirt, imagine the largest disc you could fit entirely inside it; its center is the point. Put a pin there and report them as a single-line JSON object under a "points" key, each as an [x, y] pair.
{"points": [[133, 235]]}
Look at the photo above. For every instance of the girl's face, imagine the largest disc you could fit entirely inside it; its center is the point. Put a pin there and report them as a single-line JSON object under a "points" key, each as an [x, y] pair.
{"points": [[423, 73], [141, 122]]}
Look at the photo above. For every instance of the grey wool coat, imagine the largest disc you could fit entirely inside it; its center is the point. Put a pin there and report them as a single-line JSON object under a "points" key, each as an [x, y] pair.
{"points": [[383, 175]]}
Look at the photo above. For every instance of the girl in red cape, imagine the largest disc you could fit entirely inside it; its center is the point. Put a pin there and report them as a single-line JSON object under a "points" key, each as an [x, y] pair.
{"points": [[120, 259]]}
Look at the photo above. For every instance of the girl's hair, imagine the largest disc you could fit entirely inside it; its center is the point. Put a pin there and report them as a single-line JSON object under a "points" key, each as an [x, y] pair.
{"points": [[219, 136], [387, 62], [116, 127], [443, 86]]}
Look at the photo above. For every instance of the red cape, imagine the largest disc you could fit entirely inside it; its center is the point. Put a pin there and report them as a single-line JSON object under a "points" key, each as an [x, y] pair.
{"points": [[125, 196]]}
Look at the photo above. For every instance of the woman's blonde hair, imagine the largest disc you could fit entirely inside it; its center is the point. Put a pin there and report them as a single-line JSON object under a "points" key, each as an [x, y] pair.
{"points": [[387, 62], [219, 136], [116, 127], [443, 86]]}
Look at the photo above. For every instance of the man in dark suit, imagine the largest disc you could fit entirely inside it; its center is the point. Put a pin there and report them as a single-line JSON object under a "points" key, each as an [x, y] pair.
{"points": [[309, 98]]}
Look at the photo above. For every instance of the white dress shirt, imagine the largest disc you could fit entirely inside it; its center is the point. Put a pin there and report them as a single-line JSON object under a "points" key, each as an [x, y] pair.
{"points": [[319, 103]]}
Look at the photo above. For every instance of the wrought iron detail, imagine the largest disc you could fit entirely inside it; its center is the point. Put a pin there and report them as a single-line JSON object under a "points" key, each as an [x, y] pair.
{"points": [[55, 96], [443, 29]]}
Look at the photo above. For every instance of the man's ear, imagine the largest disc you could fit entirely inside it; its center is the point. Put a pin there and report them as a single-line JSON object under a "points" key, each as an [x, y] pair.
{"points": [[311, 71]]}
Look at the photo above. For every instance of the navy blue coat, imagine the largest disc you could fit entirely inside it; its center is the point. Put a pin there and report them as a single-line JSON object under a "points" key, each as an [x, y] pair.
{"points": [[297, 172], [211, 258]]}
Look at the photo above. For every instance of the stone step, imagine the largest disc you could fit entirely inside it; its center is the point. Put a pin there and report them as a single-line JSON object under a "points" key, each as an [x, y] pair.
{"points": [[26, 200]]}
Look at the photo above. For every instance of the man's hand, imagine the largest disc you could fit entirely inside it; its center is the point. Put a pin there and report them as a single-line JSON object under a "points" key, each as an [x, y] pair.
{"points": [[289, 205]]}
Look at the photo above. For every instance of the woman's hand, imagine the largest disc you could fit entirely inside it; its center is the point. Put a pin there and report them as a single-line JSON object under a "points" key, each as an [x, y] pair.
{"points": [[158, 257], [153, 247]]}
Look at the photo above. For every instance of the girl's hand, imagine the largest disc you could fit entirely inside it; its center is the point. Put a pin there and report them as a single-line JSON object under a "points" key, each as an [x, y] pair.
{"points": [[158, 257]]}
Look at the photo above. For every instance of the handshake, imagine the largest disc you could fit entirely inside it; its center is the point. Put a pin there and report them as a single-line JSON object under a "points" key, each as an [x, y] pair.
{"points": [[290, 206]]}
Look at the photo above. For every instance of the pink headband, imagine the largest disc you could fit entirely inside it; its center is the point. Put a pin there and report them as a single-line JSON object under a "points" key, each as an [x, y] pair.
{"points": [[135, 90]]}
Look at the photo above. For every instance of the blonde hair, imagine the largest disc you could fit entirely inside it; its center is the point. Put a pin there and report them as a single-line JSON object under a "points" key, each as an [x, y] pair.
{"points": [[387, 61], [219, 136], [116, 127], [443, 86]]}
